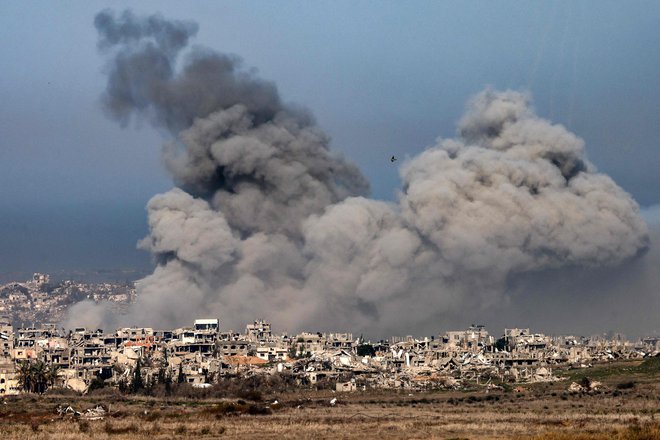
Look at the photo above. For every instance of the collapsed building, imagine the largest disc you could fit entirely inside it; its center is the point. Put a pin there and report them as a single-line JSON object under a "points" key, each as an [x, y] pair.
{"points": [[203, 354]]}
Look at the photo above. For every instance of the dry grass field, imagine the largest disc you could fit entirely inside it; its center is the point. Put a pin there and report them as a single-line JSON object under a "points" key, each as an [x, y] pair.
{"points": [[628, 408]]}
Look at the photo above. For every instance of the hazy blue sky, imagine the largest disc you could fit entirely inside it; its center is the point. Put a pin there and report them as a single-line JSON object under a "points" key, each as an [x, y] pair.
{"points": [[381, 77]]}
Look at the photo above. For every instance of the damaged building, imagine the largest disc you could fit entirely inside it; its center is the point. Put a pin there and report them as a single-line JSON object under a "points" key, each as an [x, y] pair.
{"points": [[204, 354]]}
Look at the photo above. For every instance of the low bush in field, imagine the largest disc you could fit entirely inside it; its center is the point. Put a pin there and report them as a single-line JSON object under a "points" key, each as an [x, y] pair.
{"points": [[240, 407], [251, 388], [626, 385], [112, 429]]}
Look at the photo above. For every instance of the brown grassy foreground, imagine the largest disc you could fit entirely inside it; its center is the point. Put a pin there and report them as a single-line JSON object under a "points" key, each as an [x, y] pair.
{"points": [[628, 410]]}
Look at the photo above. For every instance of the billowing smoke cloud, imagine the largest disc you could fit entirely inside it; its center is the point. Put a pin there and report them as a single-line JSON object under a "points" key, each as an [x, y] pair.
{"points": [[267, 222], [264, 164]]}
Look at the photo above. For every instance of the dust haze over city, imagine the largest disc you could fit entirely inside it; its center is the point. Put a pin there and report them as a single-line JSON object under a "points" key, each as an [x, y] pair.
{"points": [[259, 137]]}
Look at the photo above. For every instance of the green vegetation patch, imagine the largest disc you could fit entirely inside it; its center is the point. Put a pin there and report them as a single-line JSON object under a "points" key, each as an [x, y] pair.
{"points": [[648, 367]]}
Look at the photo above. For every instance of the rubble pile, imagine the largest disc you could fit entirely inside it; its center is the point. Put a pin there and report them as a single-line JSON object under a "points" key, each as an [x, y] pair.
{"points": [[96, 413], [203, 355]]}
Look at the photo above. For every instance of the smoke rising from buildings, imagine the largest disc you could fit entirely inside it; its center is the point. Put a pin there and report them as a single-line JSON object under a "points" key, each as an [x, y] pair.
{"points": [[267, 222]]}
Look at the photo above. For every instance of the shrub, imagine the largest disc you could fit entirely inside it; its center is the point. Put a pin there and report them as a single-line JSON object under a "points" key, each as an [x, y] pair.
{"points": [[83, 426], [110, 429], [258, 410], [585, 382], [96, 384], [63, 392], [252, 395], [106, 392], [224, 408], [626, 385]]}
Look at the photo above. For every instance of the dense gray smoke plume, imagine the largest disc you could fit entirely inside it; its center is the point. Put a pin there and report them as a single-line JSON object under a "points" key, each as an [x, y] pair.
{"points": [[264, 164], [267, 222]]}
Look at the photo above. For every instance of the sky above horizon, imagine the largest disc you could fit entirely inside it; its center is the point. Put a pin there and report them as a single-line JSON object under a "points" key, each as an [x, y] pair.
{"points": [[381, 78]]}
